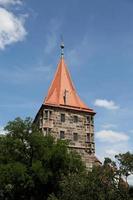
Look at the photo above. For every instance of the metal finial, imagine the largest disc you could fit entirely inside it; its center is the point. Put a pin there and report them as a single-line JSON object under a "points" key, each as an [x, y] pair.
{"points": [[62, 47]]}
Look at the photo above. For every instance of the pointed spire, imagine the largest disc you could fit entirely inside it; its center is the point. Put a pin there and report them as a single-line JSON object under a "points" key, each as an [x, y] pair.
{"points": [[62, 91]]}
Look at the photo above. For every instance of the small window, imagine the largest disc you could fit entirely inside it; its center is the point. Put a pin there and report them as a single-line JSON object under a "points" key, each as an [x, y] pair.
{"points": [[75, 136], [75, 118], [46, 131], [46, 114], [88, 119], [62, 117], [62, 134], [50, 114], [92, 119], [88, 137]]}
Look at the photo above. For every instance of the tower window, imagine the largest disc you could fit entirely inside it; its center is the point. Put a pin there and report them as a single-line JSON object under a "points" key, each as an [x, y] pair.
{"points": [[88, 137], [88, 119], [75, 136], [62, 117], [75, 118], [62, 134], [50, 114], [46, 131], [92, 119], [46, 114]]}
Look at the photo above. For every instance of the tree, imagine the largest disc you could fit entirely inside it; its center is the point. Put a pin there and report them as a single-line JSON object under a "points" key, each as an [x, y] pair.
{"points": [[34, 167], [125, 164], [31, 165], [102, 183]]}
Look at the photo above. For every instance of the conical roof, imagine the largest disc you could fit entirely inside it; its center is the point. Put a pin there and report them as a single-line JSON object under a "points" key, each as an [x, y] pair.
{"points": [[62, 91]]}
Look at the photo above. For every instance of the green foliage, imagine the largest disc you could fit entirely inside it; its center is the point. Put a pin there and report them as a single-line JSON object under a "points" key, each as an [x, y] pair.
{"points": [[52, 197], [131, 192], [34, 167], [125, 162], [99, 184], [31, 165]]}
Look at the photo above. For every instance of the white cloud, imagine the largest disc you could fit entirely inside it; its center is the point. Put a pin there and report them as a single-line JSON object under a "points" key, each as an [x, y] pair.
{"points": [[10, 2], [108, 126], [11, 28], [130, 180], [106, 104], [107, 149], [111, 152], [2, 131], [111, 136]]}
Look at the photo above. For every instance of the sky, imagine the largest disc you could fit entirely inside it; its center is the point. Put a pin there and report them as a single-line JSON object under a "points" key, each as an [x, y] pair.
{"points": [[98, 38]]}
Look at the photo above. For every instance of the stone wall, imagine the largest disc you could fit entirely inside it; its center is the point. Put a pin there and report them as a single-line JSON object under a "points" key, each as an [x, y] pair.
{"points": [[75, 126]]}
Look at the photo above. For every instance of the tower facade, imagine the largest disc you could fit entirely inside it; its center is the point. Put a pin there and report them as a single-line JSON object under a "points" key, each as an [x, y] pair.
{"points": [[65, 116]]}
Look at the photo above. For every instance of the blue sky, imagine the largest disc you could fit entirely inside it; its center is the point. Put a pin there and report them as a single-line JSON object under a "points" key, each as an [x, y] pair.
{"points": [[98, 37]]}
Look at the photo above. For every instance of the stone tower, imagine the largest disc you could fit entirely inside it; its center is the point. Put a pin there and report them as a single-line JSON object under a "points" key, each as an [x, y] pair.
{"points": [[65, 116]]}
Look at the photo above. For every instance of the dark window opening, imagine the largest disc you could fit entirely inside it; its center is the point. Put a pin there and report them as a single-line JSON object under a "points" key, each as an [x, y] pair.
{"points": [[75, 136], [75, 119], [47, 131], [92, 119], [62, 117], [88, 137], [50, 114], [62, 134], [88, 119], [46, 114]]}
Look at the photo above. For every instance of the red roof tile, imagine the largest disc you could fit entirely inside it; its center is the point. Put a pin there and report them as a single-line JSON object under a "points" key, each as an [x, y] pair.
{"points": [[62, 91]]}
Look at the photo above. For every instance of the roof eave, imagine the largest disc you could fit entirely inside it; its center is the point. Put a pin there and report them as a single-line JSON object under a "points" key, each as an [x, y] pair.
{"points": [[88, 110]]}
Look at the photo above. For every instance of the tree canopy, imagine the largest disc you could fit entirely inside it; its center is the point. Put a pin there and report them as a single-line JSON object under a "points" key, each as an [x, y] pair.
{"points": [[36, 167]]}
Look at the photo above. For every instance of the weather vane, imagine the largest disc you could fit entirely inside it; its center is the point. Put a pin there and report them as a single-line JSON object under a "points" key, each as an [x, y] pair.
{"points": [[62, 46]]}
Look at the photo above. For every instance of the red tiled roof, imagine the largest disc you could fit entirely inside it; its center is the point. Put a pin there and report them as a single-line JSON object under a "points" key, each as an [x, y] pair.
{"points": [[62, 91]]}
